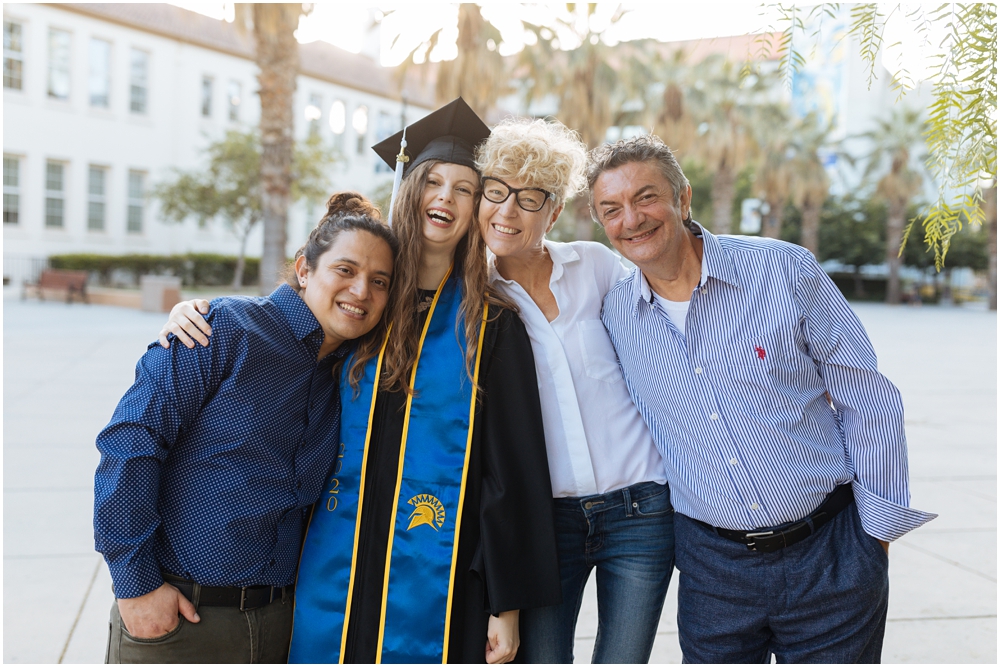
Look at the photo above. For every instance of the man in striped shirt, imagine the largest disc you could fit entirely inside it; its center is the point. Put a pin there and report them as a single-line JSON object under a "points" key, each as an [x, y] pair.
{"points": [[783, 444]]}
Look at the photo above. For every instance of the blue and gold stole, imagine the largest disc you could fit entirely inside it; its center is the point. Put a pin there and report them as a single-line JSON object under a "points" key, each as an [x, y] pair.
{"points": [[427, 516]]}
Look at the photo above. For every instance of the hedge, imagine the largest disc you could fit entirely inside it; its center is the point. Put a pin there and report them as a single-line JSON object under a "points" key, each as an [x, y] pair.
{"points": [[194, 269]]}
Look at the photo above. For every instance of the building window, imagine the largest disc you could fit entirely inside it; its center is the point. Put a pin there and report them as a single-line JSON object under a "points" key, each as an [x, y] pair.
{"points": [[13, 58], [235, 99], [338, 123], [384, 129], [207, 85], [100, 73], [360, 123], [11, 190], [55, 194], [136, 200], [59, 64], [138, 81], [314, 111], [96, 187]]}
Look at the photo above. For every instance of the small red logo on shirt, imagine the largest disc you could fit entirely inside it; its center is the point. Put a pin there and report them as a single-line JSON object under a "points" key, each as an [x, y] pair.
{"points": [[760, 352]]}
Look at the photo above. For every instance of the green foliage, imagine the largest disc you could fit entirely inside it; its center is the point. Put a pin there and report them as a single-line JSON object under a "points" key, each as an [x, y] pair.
{"points": [[230, 187], [852, 231], [962, 138], [195, 269], [961, 131]]}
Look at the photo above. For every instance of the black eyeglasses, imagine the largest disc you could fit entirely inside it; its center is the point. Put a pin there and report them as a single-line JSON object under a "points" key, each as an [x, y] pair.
{"points": [[530, 199]]}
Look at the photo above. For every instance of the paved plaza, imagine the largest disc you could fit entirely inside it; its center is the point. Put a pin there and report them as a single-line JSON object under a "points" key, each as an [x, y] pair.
{"points": [[65, 367]]}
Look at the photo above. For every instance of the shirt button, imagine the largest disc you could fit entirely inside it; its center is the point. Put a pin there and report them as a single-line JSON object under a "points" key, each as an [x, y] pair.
{"points": [[714, 415], [734, 461], [298, 485], [754, 506], [704, 290], [697, 371]]}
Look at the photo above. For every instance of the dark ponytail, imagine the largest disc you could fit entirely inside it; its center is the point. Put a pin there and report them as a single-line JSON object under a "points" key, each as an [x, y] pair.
{"points": [[345, 212]]}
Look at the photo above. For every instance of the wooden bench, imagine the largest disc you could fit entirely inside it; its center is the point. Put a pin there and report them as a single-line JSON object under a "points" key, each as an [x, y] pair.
{"points": [[57, 282]]}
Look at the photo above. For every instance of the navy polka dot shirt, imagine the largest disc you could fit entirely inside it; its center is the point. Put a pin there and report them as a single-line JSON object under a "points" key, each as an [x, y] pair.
{"points": [[214, 455]]}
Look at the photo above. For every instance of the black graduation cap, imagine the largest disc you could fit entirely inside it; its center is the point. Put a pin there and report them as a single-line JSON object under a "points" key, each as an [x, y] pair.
{"points": [[449, 134]]}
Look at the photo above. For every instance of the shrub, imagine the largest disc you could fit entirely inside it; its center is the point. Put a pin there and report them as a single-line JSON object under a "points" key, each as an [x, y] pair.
{"points": [[194, 269]]}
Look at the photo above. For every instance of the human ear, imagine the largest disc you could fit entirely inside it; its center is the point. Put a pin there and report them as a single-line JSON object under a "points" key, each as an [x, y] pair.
{"points": [[555, 216], [302, 270]]}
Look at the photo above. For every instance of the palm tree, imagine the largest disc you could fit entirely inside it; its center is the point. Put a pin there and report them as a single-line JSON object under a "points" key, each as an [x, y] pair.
{"points": [[478, 73], [774, 174], [892, 141], [810, 185], [274, 26], [593, 82], [672, 120], [724, 105]]}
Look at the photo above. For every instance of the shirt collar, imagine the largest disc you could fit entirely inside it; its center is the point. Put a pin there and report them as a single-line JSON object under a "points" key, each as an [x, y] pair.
{"points": [[561, 253], [715, 263], [296, 312]]}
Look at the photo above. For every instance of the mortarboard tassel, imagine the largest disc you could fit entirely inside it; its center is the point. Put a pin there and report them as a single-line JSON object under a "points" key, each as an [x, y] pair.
{"points": [[401, 161]]}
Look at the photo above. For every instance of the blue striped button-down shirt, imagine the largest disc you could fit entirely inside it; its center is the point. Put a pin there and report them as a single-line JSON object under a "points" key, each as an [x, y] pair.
{"points": [[738, 406]]}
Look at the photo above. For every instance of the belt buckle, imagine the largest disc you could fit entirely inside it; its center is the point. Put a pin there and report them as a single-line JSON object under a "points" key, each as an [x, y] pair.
{"points": [[243, 599], [752, 546]]}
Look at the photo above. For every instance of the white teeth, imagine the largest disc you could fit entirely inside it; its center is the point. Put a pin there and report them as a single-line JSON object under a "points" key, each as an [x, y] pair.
{"points": [[440, 216], [506, 230], [352, 309]]}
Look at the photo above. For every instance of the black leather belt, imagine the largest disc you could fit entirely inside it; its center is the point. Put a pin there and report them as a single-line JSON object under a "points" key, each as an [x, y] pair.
{"points": [[770, 540], [246, 598]]}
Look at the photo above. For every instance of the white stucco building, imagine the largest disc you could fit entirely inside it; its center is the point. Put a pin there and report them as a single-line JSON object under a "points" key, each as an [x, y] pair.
{"points": [[103, 100]]}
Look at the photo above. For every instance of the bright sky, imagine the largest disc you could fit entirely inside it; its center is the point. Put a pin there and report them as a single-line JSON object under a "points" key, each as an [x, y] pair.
{"points": [[348, 25]]}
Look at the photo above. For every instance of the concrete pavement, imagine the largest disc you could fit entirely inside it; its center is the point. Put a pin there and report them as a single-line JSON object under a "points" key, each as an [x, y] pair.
{"points": [[67, 366]]}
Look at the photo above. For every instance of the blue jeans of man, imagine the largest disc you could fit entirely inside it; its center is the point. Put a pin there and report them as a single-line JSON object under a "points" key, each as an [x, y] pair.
{"points": [[628, 535], [823, 599]]}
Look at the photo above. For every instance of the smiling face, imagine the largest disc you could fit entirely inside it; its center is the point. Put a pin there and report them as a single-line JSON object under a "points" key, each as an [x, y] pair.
{"points": [[635, 204], [510, 231], [448, 204], [348, 288]]}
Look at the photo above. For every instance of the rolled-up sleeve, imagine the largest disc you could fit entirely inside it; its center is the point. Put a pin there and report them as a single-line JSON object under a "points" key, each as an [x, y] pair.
{"points": [[869, 406], [169, 390]]}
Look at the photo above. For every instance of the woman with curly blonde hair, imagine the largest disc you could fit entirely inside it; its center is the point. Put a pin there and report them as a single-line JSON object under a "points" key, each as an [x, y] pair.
{"points": [[613, 509]]}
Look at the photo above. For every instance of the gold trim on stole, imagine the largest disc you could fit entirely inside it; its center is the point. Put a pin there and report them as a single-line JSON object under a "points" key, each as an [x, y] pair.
{"points": [[361, 497], [461, 493], [399, 474]]}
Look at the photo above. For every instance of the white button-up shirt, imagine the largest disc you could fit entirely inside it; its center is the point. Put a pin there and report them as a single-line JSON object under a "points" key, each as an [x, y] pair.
{"points": [[595, 438]]}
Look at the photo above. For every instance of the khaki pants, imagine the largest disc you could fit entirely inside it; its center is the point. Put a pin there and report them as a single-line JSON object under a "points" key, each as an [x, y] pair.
{"points": [[224, 634]]}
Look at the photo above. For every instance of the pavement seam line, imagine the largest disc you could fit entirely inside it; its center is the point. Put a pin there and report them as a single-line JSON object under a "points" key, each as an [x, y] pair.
{"points": [[79, 612], [948, 560]]}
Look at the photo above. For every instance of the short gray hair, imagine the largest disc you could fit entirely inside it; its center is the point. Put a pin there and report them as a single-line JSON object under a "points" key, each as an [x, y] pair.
{"points": [[643, 148]]}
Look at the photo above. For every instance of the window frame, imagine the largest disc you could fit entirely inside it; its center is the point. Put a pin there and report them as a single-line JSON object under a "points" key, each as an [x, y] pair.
{"points": [[52, 196], [133, 85], [233, 108], [207, 101], [133, 202], [100, 199], [12, 190], [51, 69], [91, 72], [10, 55]]}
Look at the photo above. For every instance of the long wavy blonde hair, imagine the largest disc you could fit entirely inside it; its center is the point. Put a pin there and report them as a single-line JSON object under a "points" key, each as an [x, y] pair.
{"points": [[470, 268]]}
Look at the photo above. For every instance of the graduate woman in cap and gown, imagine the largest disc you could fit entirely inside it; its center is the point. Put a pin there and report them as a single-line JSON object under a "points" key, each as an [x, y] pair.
{"points": [[436, 524]]}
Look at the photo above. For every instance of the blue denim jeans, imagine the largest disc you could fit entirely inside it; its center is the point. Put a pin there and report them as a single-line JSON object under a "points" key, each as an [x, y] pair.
{"points": [[823, 599], [628, 535]]}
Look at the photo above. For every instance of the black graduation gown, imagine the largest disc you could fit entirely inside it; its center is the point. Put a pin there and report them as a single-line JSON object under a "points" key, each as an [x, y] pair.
{"points": [[507, 551]]}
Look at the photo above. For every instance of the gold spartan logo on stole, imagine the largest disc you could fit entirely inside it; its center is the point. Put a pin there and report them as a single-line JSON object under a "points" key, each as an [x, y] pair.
{"points": [[427, 510]]}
